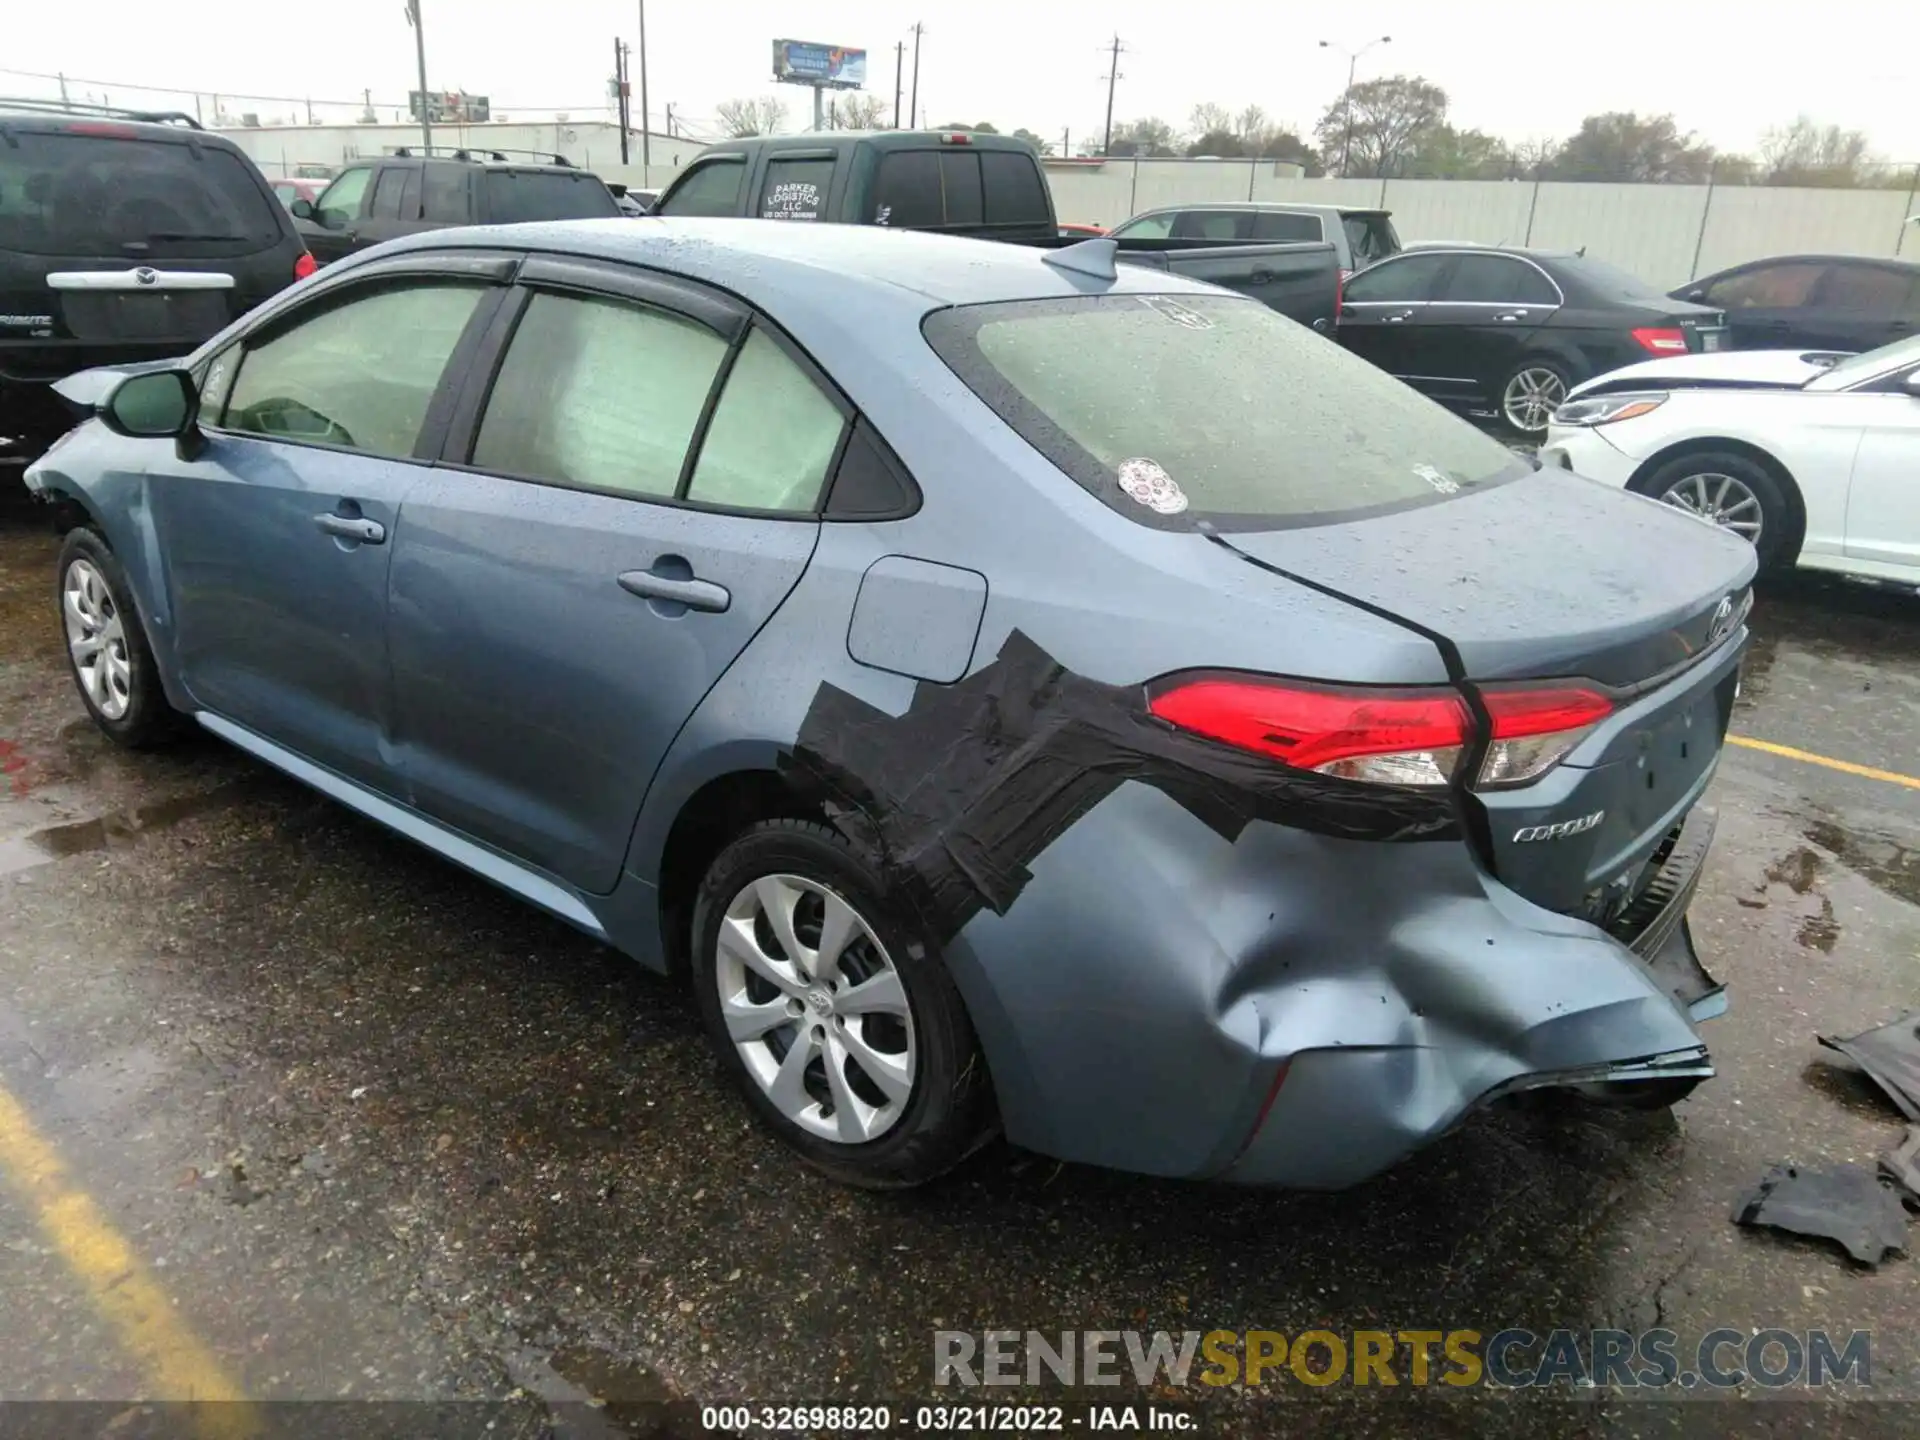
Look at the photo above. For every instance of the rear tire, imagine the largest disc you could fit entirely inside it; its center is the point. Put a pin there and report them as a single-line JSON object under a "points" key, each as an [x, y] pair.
{"points": [[107, 651], [858, 1054], [1735, 492], [1530, 393]]}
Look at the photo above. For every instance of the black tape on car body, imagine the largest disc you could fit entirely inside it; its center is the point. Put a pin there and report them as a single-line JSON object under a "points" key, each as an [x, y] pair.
{"points": [[961, 793]]}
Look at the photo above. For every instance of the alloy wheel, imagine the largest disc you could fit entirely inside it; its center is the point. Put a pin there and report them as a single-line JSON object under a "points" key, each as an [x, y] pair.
{"points": [[97, 640], [816, 1008], [1724, 500], [1531, 397]]}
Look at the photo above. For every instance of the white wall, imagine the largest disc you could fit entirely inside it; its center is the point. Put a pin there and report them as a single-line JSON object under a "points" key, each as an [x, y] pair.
{"points": [[1665, 233], [591, 144]]}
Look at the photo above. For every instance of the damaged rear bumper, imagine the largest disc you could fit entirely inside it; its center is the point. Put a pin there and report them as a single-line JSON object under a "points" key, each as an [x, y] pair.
{"points": [[1298, 1010]]}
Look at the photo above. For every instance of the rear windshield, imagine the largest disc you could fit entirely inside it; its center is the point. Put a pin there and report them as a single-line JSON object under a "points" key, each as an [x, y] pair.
{"points": [[516, 195], [63, 194], [1211, 407], [1609, 281], [1370, 237]]}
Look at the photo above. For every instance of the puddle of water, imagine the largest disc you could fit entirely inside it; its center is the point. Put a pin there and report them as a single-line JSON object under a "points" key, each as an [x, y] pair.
{"points": [[1880, 860], [56, 842], [1797, 870], [627, 1393]]}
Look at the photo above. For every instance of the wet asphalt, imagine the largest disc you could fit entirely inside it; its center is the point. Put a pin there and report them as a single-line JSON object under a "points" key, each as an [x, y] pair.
{"points": [[383, 1132]]}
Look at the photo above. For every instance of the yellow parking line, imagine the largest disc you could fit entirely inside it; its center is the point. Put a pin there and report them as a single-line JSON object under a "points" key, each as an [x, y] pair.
{"points": [[178, 1366], [1845, 767]]}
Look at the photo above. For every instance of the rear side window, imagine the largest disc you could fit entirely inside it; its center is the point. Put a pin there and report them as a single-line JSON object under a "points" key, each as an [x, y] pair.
{"points": [[1016, 192], [1256, 421], [1212, 225], [1283, 225], [709, 189], [1498, 280], [1409, 278], [445, 194], [357, 375], [1371, 238], [795, 189], [396, 195], [63, 194], [1767, 287], [773, 435], [907, 191], [1866, 290], [519, 195], [599, 394]]}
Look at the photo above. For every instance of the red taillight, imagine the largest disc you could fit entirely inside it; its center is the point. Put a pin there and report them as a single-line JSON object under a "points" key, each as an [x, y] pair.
{"points": [[304, 266], [1662, 341], [1383, 736]]}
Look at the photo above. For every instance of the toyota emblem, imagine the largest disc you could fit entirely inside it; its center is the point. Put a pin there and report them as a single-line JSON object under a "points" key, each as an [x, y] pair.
{"points": [[145, 276], [1722, 619]]}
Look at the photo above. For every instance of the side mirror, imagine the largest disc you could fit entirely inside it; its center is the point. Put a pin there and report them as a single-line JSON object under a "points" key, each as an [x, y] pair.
{"points": [[158, 405], [301, 208]]}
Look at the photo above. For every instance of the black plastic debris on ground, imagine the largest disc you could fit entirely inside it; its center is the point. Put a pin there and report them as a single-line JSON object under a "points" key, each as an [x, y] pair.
{"points": [[1847, 1204], [1902, 1166], [1891, 1056]]}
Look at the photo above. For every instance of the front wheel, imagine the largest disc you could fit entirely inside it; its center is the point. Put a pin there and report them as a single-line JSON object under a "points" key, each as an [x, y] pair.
{"points": [[834, 1011], [107, 648], [1529, 395], [1735, 492]]}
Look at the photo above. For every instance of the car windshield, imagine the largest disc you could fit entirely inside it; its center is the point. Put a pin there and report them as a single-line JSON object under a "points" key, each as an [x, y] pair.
{"points": [[66, 194], [1867, 365], [1214, 407], [516, 195]]}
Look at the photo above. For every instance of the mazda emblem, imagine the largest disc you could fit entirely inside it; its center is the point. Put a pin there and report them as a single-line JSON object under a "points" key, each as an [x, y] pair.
{"points": [[145, 276]]}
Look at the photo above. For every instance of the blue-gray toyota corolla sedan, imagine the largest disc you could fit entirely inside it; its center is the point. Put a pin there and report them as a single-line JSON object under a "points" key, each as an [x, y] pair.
{"points": [[1018, 693]]}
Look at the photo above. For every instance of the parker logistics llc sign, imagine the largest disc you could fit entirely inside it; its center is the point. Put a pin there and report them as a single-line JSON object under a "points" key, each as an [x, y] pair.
{"points": [[831, 67]]}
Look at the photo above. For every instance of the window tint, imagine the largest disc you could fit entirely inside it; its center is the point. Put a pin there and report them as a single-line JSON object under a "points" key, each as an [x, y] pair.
{"points": [[1212, 225], [1255, 418], [599, 394], [446, 194], [907, 190], [1769, 287], [709, 189], [960, 187], [88, 195], [518, 195], [1866, 290], [341, 200], [1409, 278], [772, 436], [389, 193], [1148, 227], [1285, 225], [1498, 279], [1371, 238], [1016, 191], [358, 375], [795, 189]]}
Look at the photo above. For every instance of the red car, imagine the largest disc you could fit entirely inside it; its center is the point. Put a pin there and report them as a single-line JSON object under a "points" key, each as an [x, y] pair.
{"points": [[296, 187], [1080, 232]]}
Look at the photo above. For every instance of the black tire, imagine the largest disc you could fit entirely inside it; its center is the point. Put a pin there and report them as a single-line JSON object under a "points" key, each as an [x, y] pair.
{"points": [[949, 1111], [1778, 544], [1546, 364], [148, 718]]}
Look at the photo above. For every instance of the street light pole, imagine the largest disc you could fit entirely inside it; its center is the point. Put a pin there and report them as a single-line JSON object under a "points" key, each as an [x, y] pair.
{"points": [[420, 54], [646, 149], [1346, 96]]}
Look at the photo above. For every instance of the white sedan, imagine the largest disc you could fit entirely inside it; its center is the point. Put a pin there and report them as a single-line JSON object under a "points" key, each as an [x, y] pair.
{"points": [[1814, 457]]}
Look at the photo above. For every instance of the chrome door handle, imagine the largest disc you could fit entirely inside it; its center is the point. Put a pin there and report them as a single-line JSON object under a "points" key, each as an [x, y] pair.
{"points": [[694, 594], [1398, 319], [1261, 277], [1514, 315], [352, 527]]}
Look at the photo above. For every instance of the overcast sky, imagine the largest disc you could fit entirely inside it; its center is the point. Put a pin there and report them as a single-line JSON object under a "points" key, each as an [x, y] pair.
{"points": [[1728, 69]]}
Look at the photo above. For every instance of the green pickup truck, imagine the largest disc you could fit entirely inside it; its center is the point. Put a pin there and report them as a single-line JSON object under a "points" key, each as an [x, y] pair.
{"points": [[990, 187]]}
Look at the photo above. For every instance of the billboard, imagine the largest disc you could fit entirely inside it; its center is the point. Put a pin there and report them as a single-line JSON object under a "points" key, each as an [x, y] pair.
{"points": [[451, 107], [831, 67]]}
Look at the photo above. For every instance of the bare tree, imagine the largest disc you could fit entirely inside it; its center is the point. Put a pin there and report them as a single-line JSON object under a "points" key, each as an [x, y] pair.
{"points": [[755, 115], [1804, 153], [859, 112], [1210, 119]]}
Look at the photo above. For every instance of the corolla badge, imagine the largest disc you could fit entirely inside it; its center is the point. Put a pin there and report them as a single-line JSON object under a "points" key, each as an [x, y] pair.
{"points": [[1565, 828]]}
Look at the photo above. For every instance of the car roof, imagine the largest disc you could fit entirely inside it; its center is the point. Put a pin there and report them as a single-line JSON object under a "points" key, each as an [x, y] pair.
{"points": [[878, 139], [115, 124], [767, 261], [1288, 207]]}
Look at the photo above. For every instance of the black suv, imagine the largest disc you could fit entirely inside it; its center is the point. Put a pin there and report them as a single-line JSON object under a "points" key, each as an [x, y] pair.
{"points": [[125, 235], [408, 191]]}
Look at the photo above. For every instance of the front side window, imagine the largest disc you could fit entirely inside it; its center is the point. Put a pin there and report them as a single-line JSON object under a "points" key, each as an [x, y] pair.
{"points": [[1395, 281], [1147, 227], [1769, 287], [358, 375], [711, 188], [1256, 422], [1498, 280], [341, 200], [599, 394], [773, 435]]}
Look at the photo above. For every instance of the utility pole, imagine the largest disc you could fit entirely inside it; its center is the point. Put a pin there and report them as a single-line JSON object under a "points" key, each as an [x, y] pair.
{"points": [[913, 107], [620, 92], [420, 55], [1066, 144], [899, 60], [66, 104], [1346, 96], [646, 150], [1112, 77], [670, 129]]}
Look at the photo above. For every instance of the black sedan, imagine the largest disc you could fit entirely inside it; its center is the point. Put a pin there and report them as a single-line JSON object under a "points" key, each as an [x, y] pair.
{"points": [[1815, 302], [1505, 333]]}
